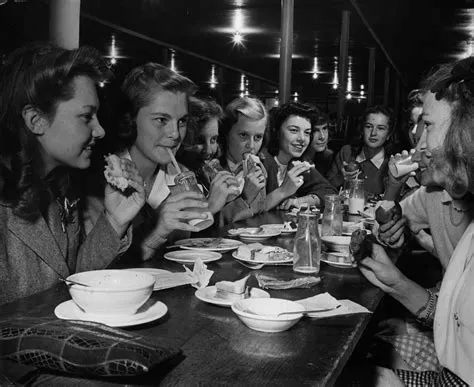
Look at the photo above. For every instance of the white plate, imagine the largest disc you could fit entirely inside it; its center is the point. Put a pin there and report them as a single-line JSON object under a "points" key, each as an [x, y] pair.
{"points": [[208, 294], [190, 256], [254, 234], [280, 227], [342, 265], [154, 272], [267, 262], [152, 310], [209, 244]]}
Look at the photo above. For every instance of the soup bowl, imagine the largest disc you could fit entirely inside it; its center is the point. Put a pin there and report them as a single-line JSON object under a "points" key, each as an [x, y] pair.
{"points": [[111, 292]]}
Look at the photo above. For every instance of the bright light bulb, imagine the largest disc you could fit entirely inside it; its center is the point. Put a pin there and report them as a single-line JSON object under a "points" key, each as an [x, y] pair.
{"points": [[237, 38]]}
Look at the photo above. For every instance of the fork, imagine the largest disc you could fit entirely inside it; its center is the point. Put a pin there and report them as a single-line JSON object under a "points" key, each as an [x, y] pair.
{"points": [[292, 312]]}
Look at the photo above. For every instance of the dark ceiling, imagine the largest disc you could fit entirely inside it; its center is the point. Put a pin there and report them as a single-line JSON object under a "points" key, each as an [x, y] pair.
{"points": [[416, 34]]}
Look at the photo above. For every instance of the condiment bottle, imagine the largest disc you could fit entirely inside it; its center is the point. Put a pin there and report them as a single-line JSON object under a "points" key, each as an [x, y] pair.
{"points": [[356, 196], [307, 244], [332, 216]]}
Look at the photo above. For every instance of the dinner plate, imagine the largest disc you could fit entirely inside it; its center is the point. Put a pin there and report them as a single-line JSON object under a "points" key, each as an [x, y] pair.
{"points": [[254, 234], [150, 311], [209, 244], [267, 262], [190, 256], [280, 227], [343, 265], [208, 294]]}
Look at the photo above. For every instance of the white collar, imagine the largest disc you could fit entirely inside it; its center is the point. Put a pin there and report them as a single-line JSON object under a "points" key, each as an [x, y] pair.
{"points": [[377, 159], [281, 167], [233, 166]]}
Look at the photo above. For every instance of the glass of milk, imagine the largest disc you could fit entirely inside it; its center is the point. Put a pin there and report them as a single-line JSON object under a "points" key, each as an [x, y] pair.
{"points": [[356, 196]]}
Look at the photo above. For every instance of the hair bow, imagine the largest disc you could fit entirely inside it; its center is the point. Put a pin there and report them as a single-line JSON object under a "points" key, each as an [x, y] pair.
{"points": [[462, 72]]}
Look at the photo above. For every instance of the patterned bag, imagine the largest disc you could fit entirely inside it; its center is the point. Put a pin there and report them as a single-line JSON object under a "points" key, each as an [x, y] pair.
{"points": [[80, 347]]}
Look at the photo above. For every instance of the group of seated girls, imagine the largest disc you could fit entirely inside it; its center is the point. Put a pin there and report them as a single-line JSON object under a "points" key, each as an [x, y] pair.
{"points": [[59, 216]]}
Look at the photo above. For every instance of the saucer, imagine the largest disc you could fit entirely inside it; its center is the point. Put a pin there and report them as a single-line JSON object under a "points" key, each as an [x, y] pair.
{"points": [[190, 256], [208, 294], [150, 311]]}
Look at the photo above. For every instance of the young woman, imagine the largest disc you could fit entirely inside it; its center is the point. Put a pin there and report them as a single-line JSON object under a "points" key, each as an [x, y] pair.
{"points": [[447, 161], [241, 136], [48, 129], [200, 146], [371, 148], [291, 184], [318, 152]]}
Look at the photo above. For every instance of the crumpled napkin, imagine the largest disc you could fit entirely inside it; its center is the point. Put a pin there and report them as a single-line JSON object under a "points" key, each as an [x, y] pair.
{"points": [[200, 275], [326, 301], [268, 282]]}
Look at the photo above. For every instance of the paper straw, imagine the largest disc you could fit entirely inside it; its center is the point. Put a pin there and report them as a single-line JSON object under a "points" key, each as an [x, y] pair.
{"points": [[173, 160], [358, 173]]}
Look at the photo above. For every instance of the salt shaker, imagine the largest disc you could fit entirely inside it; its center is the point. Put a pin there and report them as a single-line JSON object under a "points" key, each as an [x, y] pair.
{"points": [[332, 216], [307, 247]]}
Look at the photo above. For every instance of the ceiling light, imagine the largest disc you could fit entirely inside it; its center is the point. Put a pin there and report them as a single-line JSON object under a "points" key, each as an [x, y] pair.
{"points": [[237, 38], [315, 68]]}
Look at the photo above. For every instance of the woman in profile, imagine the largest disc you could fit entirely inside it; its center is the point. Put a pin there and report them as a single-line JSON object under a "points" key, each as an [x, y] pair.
{"points": [[48, 130]]}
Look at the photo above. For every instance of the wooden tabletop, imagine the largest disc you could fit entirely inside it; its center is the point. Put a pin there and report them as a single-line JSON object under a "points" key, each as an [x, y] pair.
{"points": [[219, 349]]}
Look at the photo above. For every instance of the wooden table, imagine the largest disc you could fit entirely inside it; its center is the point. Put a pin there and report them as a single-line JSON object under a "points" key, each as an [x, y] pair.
{"points": [[219, 349]]}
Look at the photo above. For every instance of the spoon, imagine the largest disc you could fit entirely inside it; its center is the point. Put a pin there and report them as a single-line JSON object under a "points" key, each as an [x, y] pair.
{"points": [[66, 281], [293, 312]]}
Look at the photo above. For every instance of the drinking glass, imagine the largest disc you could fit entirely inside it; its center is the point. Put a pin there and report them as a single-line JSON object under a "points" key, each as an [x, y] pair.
{"points": [[307, 244]]}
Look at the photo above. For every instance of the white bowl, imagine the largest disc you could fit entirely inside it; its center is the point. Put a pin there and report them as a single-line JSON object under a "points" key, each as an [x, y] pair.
{"points": [[260, 313], [111, 292], [350, 227], [337, 243]]}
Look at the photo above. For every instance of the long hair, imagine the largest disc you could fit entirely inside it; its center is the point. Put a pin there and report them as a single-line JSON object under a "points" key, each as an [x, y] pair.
{"points": [[251, 108], [357, 143], [138, 90], [282, 114], [454, 83], [39, 75]]}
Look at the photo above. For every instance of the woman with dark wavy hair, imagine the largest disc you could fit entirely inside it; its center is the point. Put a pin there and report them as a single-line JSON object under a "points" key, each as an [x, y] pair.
{"points": [[447, 161], [371, 148], [48, 129], [291, 182]]}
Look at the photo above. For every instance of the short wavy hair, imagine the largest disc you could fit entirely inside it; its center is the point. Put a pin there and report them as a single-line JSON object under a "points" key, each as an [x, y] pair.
{"points": [[281, 115], [138, 89], [40, 75], [455, 158], [357, 143], [249, 107]]}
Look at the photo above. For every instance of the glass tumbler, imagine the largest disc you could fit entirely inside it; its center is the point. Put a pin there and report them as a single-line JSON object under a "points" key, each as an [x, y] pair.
{"points": [[186, 181], [356, 197], [332, 216], [307, 244]]}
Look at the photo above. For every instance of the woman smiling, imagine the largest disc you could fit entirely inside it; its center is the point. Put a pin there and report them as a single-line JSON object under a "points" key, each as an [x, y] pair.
{"points": [[291, 183]]}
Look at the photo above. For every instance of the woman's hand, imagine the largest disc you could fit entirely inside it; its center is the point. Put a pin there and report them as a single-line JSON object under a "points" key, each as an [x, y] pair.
{"points": [[380, 270], [349, 174], [288, 204], [224, 187], [176, 211], [392, 233], [254, 183], [293, 179], [120, 208]]}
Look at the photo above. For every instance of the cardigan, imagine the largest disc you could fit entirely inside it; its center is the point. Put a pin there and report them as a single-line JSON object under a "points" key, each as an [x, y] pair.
{"points": [[375, 178], [314, 183]]}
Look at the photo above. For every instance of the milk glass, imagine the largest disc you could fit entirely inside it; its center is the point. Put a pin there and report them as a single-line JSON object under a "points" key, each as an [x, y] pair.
{"points": [[186, 181], [356, 196]]}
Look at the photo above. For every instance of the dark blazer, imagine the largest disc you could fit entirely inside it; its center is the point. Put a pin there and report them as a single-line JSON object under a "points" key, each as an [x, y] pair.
{"points": [[314, 183], [31, 252]]}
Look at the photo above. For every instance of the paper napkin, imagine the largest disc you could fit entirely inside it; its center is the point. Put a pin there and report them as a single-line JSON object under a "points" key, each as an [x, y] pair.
{"points": [[326, 301], [200, 275]]}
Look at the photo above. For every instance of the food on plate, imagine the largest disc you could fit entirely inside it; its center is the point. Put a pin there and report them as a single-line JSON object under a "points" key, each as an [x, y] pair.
{"points": [[352, 166], [114, 174], [387, 210], [361, 243], [259, 252], [289, 226], [232, 291]]}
